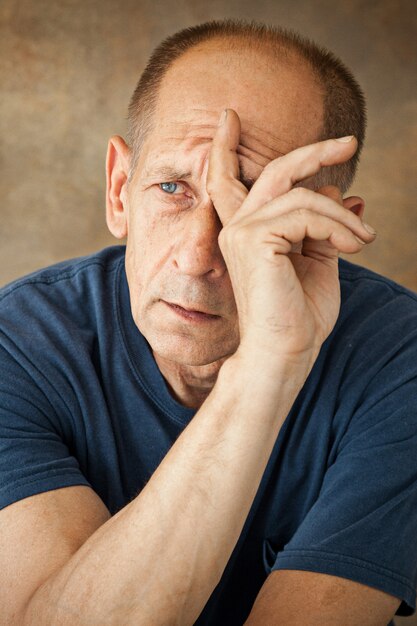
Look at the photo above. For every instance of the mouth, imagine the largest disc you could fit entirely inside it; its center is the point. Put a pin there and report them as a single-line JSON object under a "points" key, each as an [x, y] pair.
{"points": [[190, 314]]}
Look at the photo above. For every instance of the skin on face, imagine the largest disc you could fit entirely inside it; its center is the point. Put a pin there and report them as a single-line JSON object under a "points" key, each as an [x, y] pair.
{"points": [[172, 255]]}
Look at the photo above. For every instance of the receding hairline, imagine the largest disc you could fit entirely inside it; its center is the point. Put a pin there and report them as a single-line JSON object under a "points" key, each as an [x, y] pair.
{"points": [[344, 108], [283, 50], [286, 56], [280, 44]]}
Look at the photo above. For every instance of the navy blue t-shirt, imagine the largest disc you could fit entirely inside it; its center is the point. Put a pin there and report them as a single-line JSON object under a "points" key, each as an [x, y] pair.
{"points": [[82, 402]]}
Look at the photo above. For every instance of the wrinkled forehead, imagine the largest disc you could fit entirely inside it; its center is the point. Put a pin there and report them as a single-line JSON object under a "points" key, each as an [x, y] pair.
{"points": [[181, 146], [197, 126], [280, 105]]}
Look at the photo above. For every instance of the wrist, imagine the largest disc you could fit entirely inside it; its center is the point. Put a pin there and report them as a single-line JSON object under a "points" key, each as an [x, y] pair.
{"points": [[270, 358], [258, 376]]}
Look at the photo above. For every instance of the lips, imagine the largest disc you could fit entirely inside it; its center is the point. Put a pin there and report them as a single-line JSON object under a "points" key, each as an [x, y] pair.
{"points": [[191, 309], [191, 313]]}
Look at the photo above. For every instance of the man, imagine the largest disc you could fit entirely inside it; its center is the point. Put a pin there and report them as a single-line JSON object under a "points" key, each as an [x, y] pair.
{"points": [[196, 431]]}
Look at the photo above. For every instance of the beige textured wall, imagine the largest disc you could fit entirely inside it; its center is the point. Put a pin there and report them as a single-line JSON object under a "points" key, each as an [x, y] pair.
{"points": [[68, 68]]}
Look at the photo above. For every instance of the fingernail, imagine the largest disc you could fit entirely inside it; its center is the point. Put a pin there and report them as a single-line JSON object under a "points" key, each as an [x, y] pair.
{"points": [[223, 117], [345, 139], [360, 240], [370, 230]]}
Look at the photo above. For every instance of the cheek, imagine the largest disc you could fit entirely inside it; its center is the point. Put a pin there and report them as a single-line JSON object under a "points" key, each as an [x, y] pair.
{"points": [[149, 245]]}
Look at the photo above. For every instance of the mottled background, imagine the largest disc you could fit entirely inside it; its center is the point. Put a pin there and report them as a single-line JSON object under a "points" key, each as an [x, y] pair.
{"points": [[68, 68]]}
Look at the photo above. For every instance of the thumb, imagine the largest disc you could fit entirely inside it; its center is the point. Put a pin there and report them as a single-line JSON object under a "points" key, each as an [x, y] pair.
{"points": [[223, 185]]}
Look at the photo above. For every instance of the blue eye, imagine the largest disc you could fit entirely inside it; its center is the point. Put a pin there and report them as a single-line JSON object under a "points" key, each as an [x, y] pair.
{"points": [[170, 188]]}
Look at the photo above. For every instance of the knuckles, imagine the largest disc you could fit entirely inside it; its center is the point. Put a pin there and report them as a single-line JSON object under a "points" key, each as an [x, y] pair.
{"points": [[300, 214], [215, 187], [235, 235], [301, 195]]}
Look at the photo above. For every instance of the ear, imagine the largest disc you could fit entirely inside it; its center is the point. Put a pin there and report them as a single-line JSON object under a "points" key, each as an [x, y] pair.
{"points": [[117, 171], [356, 204]]}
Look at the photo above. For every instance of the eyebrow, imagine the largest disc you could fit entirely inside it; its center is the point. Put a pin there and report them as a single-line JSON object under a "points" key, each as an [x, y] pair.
{"points": [[168, 173]]}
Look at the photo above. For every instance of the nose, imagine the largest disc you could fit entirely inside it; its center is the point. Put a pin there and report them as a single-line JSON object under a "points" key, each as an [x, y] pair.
{"points": [[197, 251]]}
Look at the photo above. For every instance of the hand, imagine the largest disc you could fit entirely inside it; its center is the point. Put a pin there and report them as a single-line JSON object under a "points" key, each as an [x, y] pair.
{"points": [[281, 244]]}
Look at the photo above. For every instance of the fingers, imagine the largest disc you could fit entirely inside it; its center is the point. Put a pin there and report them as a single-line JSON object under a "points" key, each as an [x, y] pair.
{"points": [[323, 249], [280, 175], [303, 202], [355, 204], [278, 235], [331, 191], [274, 193], [223, 184]]}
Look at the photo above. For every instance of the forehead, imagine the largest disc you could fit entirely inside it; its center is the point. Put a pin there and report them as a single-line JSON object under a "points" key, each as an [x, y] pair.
{"points": [[279, 103]]}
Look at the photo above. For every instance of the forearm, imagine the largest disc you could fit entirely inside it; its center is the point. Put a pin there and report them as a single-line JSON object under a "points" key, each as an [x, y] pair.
{"points": [[158, 560]]}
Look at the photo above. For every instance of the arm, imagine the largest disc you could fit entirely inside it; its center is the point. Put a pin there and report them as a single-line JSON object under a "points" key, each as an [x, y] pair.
{"points": [[115, 576], [209, 478], [287, 597]]}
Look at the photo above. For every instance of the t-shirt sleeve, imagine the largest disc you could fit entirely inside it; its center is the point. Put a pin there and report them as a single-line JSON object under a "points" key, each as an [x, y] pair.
{"points": [[363, 525], [34, 454]]}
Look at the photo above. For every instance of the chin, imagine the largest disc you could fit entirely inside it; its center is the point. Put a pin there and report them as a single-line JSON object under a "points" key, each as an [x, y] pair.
{"points": [[185, 351]]}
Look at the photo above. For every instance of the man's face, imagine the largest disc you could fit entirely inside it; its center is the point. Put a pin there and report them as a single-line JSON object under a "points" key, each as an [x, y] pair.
{"points": [[173, 261]]}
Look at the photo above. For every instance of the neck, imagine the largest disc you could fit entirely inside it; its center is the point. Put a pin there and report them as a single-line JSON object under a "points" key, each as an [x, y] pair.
{"points": [[189, 384]]}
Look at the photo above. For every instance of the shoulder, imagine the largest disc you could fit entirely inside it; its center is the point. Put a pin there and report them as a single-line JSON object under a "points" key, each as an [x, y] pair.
{"points": [[64, 273], [71, 290], [362, 286], [372, 305], [370, 358], [53, 317]]}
